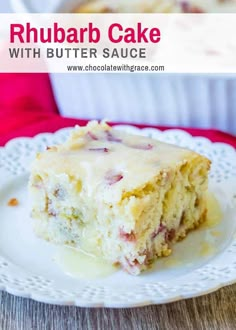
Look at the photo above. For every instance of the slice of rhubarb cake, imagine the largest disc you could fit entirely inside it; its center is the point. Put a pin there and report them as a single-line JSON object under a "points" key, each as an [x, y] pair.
{"points": [[123, 197]]}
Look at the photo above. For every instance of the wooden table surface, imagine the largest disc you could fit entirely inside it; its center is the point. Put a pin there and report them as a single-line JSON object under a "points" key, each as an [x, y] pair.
{"points": [[213, 311]]}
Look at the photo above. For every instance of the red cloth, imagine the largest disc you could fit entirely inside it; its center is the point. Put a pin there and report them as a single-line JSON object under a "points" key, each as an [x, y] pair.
{"points": [[27, 107]]}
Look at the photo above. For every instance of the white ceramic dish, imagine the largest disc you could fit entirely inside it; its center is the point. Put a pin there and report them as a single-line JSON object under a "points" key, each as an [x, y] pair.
{"points": [[51, 6], [27, 266]]}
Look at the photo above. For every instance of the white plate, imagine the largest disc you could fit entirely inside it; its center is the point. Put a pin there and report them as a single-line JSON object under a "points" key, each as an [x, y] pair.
{"points": [[27, 268]]}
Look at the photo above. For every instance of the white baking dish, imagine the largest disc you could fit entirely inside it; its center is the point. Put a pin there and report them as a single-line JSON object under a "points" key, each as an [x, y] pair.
{"points": [[182, 100]]}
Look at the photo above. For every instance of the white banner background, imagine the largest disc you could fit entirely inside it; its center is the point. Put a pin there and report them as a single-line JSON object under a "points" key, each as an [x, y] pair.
{"points": [[190, 43]]}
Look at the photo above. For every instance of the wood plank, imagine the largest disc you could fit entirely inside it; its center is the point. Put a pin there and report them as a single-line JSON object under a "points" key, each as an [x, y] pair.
{"points": [[214, 311]]}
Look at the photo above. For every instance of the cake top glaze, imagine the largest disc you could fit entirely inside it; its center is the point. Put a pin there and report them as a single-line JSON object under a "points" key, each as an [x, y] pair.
{"points": [[109, 160]]}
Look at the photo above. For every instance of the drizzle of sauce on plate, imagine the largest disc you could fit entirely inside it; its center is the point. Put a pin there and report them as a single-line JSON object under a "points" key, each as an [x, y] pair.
{"points": [[214, 216], [214, 213], [171, 262], [207, 249], [216, 233], [79, 264]]}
